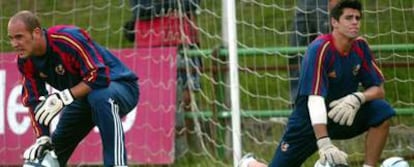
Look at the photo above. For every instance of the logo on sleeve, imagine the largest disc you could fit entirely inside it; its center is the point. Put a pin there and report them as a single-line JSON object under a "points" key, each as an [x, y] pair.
{"points": [[59, 69], [284, 146], [355, 69]]}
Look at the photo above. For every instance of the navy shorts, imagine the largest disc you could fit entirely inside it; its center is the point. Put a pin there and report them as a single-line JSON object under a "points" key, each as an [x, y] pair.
{"points": [[298, 142]]}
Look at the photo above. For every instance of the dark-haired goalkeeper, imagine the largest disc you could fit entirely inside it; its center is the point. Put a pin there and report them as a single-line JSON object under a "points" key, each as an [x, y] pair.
{"points": [[330, 104], [94, 88]]}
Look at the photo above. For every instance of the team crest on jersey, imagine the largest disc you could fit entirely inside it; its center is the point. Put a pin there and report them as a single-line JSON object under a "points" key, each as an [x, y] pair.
{"points": [[42, 75], [332, 74], [284, 146], [355, 69], [59, 69]]}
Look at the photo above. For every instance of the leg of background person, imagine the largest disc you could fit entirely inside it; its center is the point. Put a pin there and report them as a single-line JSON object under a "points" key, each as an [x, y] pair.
{"points": [[181, 146], [185, 135], [298, 38], [375, 142], [185, 127], [294, 76], [186, 107], [322, 22], [188, 83], [311, 20], [193, 85], [74, 124]]}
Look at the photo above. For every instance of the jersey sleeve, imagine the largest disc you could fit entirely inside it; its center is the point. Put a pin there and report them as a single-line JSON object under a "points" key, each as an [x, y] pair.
{"points": [[77, 43], [370, 74], [32, 88], [314, 75]]}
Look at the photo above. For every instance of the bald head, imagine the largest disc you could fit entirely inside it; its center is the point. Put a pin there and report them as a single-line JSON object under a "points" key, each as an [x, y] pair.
{"points": [[28, 18], [26, 35]]}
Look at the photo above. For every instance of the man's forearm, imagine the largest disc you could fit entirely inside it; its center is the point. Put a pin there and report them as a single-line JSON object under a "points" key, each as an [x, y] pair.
{"points": [[374, 92], [320, 130], [80, 90]]}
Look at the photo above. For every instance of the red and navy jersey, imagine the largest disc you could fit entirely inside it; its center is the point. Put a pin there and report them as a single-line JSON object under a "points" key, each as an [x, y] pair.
{"points": [[327, 72], [71, 57]]}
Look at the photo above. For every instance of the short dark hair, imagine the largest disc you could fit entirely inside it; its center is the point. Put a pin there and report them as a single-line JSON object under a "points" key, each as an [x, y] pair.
{"points": [[338, 9], [28, 18]]}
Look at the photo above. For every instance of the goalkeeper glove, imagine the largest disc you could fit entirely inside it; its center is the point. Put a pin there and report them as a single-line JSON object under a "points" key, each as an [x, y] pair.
{"points": [[38, 149], [50, 106], [328, 153], [345, 108]]}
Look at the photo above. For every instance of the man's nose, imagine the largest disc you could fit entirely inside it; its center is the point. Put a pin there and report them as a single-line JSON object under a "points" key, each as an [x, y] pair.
{"points": [[355, 20]]}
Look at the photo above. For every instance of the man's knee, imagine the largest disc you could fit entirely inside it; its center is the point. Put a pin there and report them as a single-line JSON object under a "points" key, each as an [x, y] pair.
{"points": [[385, 125]]}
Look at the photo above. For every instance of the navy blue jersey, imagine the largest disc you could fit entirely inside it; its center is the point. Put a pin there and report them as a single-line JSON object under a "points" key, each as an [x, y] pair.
{"points": [[71, 57], [327, 72]]}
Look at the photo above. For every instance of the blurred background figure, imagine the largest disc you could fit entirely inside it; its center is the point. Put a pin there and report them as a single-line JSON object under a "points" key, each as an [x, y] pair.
{"points": [[311, 20], [169, 23]]}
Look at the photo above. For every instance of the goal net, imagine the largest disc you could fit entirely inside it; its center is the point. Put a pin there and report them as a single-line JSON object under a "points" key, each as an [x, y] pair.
{"points": [[181, 46]]}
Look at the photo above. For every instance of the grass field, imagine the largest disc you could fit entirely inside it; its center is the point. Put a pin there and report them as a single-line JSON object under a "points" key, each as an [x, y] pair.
{"points": [[259, 25]]}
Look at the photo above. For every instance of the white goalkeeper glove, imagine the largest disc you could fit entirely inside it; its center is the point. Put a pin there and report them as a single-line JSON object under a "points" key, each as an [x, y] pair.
{"points": [[51, 105], [344, 109], [328, 153], [38, 149]]}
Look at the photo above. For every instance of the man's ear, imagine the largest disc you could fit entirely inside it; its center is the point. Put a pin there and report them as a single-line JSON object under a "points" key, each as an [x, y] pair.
{"points": [[334, 22], [37, 32]]}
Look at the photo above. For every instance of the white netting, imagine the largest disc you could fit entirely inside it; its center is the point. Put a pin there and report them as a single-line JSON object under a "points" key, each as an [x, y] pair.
{"points": [[263, 29]]}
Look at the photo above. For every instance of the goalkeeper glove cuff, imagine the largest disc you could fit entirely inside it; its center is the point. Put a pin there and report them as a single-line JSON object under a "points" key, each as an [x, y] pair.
{"points": [[360, 96], [66, 96], [323, 142]]}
